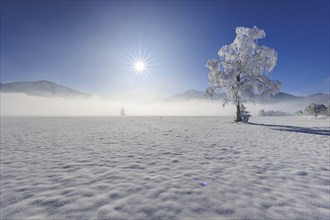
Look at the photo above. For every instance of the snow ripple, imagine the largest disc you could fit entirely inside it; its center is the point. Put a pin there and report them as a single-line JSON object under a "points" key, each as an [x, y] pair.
{"points": [[175, 168]]}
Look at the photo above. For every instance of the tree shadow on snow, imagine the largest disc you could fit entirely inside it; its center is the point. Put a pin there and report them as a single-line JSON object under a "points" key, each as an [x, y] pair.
{"points": [[305, 130]]}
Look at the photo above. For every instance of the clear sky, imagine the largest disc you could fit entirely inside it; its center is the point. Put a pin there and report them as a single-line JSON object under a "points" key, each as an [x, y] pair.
{"points": [[88, 45]]}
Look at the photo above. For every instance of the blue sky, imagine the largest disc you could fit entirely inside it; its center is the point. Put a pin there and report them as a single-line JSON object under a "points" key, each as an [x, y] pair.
{"points": [[87, 45]]}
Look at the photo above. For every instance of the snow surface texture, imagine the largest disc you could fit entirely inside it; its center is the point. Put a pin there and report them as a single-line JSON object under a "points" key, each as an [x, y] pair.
{"points": [[169, 168]]}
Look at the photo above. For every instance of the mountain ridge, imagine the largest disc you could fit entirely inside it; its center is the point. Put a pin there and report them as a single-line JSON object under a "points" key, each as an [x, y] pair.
{"points": [[42, 88], [319, 98]]}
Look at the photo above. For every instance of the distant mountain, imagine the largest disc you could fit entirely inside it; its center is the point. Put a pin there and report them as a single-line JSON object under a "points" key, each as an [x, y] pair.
{"points": [[193, 95], [318, 98], [42, 88], [280, 97]]}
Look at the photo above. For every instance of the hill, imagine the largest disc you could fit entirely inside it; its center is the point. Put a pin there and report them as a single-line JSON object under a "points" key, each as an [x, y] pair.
{"points": [[42, 88], [279, 98]]}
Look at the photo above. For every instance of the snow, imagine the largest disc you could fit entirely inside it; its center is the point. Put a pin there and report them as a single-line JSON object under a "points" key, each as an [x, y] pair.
{"points": [[174, 168]]}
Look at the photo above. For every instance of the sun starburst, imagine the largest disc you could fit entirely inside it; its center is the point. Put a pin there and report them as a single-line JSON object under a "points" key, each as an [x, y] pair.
{"points": [[139, 63]]}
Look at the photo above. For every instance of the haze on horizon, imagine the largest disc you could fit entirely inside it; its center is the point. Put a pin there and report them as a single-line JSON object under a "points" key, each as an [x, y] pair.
{"points": [[93, 46], [21, 104]]}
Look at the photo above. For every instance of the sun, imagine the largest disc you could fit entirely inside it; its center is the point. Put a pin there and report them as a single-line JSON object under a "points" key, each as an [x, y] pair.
{"points": [[138, 62], [139, 66]]}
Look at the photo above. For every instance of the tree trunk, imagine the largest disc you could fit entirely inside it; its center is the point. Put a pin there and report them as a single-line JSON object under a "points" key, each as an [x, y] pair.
{"points": [[238, 108], [238, 113]]}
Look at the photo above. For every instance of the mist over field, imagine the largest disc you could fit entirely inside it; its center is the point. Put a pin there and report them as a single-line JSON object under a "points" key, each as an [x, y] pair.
{"points": [[25, 105]]}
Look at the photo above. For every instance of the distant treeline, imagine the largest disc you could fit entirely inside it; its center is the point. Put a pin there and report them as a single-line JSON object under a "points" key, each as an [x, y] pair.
{"points": [[315, 110], [262, 112]]}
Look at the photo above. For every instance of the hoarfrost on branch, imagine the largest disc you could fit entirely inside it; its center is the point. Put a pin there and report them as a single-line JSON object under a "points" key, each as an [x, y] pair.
{"points": [[242, 68]]}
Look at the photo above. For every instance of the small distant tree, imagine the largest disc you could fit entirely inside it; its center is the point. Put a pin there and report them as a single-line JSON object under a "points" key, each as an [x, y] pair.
{"points": [[262, 112], [316, 109], [300, 112], [245, 115], [242, 69], [122, 112]]}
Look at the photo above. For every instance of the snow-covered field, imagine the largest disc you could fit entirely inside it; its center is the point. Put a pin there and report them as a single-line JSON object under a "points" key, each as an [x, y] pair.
{"points": [[174, 168]]}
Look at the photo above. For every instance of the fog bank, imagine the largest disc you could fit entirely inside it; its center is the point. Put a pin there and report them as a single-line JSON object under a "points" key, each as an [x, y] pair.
{"points": [[15, 104]]}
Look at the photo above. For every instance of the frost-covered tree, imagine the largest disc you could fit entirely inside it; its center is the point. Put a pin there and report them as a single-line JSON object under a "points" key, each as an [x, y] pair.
{"points": [[316, 109], [242, 69]]}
